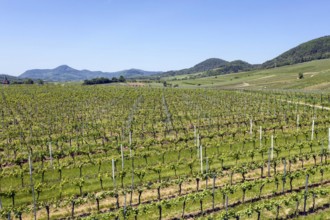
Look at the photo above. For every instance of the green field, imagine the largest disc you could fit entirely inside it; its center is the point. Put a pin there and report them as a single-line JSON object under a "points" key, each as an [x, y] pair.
{"points": [[316, 77], [120, 152]]}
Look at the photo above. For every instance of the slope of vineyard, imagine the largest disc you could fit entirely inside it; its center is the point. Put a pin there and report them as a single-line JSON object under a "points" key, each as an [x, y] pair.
{"points": [[146, 153], [316, 77]]}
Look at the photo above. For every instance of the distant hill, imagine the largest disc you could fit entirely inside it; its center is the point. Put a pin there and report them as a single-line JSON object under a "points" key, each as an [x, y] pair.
{"points": [[312, 50], [61, 73], [66, 73], [236, 66], [10, 78], [133, 73], [316, 77], [213, 66]]}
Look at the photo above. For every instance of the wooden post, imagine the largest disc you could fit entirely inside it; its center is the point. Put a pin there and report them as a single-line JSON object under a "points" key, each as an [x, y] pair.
{"points": [[260, 136], [284, 175], [32, 187], [195, 135], [0, 203], [251, 124], [306, 191], [122, 157], [268, 165], [198, 146], [130, 138], [329, 140], [132, 183], [213, 193], [125, 206], [272, 148], [51, 155], [201, 157], [113, 173], [312, 137], [207, 164], [297, 122]]}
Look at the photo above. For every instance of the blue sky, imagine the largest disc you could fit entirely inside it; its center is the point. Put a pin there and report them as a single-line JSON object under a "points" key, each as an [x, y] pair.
{"points": [[112, 35]]}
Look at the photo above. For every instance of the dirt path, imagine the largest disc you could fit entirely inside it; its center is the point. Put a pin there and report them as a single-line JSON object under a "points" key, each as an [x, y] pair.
{"points": [[306, 104]]}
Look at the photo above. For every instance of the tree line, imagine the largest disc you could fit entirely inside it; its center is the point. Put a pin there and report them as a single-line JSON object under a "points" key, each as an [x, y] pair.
{"points": [[103, 80]]}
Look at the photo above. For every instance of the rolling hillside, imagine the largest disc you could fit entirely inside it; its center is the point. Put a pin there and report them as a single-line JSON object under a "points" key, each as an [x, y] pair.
{"points": [[218, 66], [66, 73], [312, 50], [316, 77]]}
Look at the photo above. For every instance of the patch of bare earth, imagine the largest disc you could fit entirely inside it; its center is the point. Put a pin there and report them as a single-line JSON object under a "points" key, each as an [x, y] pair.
{"points": [[319, 86], [136, 84]]}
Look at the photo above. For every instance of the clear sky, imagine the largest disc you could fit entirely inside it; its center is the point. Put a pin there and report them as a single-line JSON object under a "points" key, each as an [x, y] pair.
{"points": [[112, 35]]}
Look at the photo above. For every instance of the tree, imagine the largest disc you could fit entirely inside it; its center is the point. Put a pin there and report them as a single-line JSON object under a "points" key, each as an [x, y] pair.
{"points": [[140, 174], [140, 191], [160, 204], [184, 200], [46, 205], [38, 188], [158, 170], [191, 165], [18, 211], [100, 176], [258, 208], [97, 197], [28, 81], [40, 82], [80, 183], [60, 169], [263, 182], [11, 194], [122, 175], [246, 186], [122, 79], [174, 166], [115, 194], [200, 197]]}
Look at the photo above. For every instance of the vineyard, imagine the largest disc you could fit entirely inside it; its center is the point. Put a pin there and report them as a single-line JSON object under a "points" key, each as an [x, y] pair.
{"points": [[110, 152]]}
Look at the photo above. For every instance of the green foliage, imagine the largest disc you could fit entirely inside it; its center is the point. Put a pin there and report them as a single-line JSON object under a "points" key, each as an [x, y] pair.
{"points": [[213, 67], [86, 131], [103, 80], [28, 81]]}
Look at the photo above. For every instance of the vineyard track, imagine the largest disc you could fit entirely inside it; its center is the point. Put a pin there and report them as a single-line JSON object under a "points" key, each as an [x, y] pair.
{"points": [[307, 104]]}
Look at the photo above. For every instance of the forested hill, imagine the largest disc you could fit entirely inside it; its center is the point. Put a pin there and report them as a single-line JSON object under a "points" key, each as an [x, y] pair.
{"points": [[218, 65], [312, 50], [66, 73]]}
